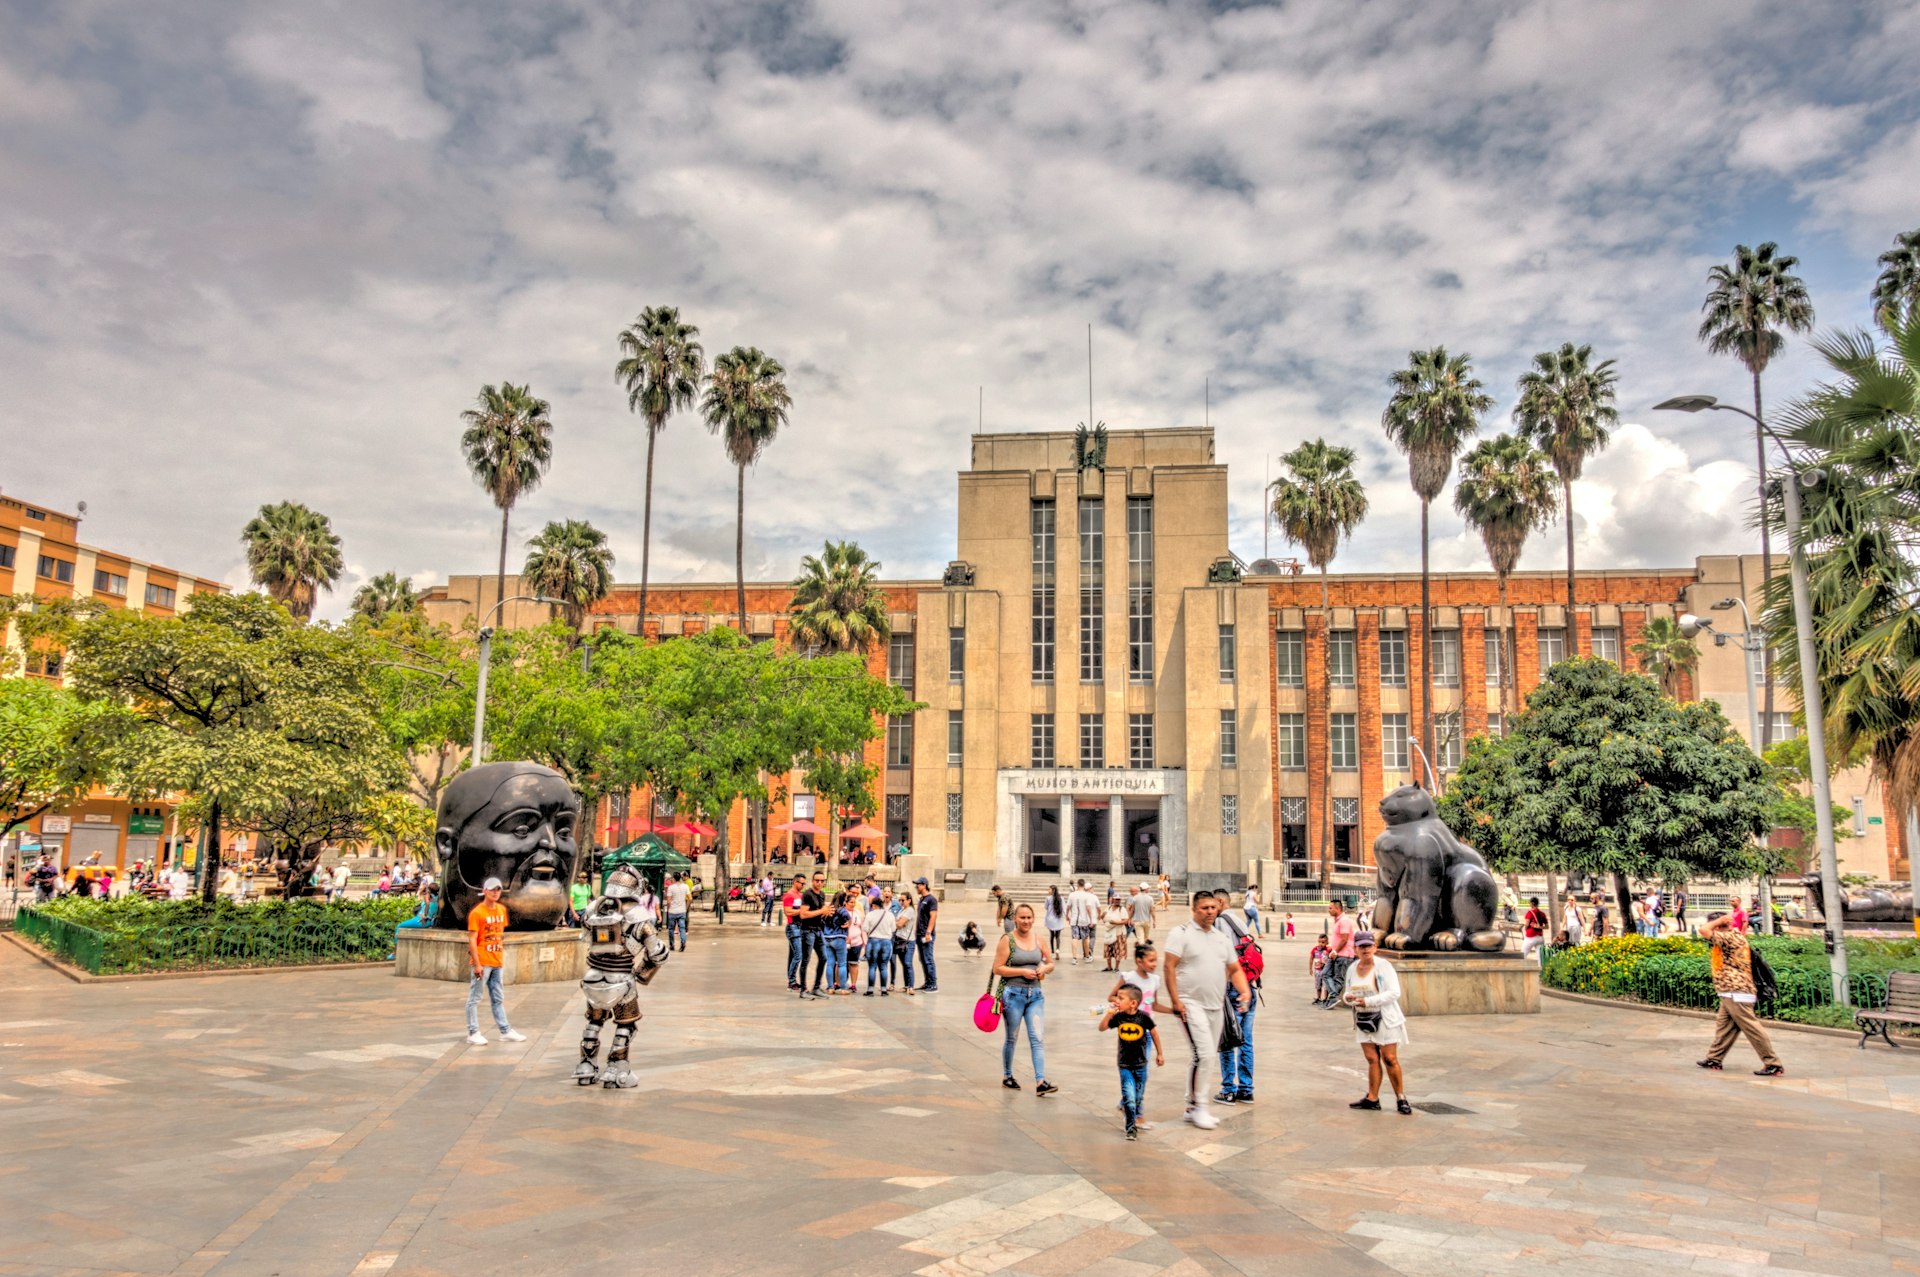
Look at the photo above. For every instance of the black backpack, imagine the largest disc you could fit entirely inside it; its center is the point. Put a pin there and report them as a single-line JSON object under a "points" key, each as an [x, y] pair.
{"points": [[1765, 987]]}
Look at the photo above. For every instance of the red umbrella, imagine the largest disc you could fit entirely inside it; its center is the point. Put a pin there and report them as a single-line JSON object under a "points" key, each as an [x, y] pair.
{"points": [[671, 829], [695, 827], [863, 831], [798, 827]]}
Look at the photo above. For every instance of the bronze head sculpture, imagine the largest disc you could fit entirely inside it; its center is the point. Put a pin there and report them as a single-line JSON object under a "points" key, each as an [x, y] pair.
{"points": [[511, 821]]}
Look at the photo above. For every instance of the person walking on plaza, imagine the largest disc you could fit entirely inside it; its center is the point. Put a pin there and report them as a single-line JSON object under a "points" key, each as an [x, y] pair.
{"points": [[926, 919], [342, 878], [1250, 904], [879, 925], [1140, 909], [1198, 964], [1133, 1026], [1533, 927], [1083, 915], [1002, 910], [1114, 938], [1731, 957], [1022, 960], [678, 897], [812, 913], [579, 896], [790, 910], [1599, 916], [1236, 1062], [904, 920], [769, 897], [1340, 933], [1055, 919], [1680, 913], [1570, 921], [1319, 961], [486, 950], [1379, 1023], [1145, 976]]}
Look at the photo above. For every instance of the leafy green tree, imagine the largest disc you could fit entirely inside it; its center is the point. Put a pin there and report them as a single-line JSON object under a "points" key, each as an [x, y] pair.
{"points": [[1436, 407], [1896, 293], [838, 602], [746, 405], [43, 626], [46, 758], [238, 704], [1566, 407], [1667, 654], [1505, 493], [508, 444], [293, 554], [661, 365], [422, 676], [386, 594], [570, 561], [1603, 774]]}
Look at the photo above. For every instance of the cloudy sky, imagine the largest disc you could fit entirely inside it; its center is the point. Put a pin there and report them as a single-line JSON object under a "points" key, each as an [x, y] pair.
{"points": [[260, 251]]}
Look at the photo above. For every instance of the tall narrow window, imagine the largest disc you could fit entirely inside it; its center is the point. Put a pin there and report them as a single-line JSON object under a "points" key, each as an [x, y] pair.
{"points": [[900, 659], [956, 655], [1340, 658], [1229, 658], [1040, 522], [1446, 658], [1393, 658], [1496, 725], [1229, 738], [953, 813], [1093, 740], [1290, 741], [1553, 648], [1140, 589], [1042, 740], [1093, 590], [1493, 644], [1343, 741], [900, 740], [1293, 836], [1139, 740], [1606, 644], [1346, 831], [956, 738], [1395, 757], [1290, 658]]}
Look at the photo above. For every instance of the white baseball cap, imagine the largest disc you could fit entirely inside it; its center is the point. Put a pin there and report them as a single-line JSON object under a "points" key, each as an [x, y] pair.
{"points": [[491, 884]]}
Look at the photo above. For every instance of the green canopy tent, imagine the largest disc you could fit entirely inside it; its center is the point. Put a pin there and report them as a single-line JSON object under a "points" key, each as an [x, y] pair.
{"points": [[651, 856]]}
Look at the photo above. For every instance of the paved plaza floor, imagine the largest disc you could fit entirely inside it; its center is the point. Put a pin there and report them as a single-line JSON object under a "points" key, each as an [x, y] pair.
{"points": [[338, 1123]]}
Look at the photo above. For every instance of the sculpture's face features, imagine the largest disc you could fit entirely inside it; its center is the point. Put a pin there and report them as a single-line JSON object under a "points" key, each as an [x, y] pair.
{"points": [[1405, 804], [514, 822]]}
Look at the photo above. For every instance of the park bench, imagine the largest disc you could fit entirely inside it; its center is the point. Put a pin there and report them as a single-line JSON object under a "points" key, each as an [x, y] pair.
{"points": [[1903, 1007]]}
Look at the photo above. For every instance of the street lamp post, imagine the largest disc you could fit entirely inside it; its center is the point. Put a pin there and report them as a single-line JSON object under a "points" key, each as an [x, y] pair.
{"points": [[1749, 642], [486, 659], [1810, 697]]}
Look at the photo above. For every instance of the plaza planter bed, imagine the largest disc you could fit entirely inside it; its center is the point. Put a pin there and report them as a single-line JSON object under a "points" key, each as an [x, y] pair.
{"points": [[133, 935]]}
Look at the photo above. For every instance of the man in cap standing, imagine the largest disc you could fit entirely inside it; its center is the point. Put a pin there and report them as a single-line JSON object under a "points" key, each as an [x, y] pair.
{"points": [[486, 948]]}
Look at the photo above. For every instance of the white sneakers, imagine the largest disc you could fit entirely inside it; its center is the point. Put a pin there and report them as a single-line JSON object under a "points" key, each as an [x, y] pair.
{"points": [[1199, 1116], [513, 1035], [476, 1038]]}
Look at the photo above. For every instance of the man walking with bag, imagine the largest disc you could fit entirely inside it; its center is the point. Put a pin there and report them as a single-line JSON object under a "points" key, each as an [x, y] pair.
{"points": [[1732, 960], [1199, 962]]}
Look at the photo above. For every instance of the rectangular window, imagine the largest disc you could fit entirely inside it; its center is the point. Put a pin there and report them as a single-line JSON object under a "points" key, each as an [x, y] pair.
{"points": [[1290, 741], [1140, 589], [159, 596], [1346, 831], [1343, 741], [1781, 728], [1393, 658], [1229, 656], [1230, 813], [1606, 644], [55, 569], [1139, 740], [956, 655], [1093, 740], [1093, 590], [1553, 648], [1040, 523], [1447, 742], [1496, 726], [953, 813], [1229, 738], [1041, 740], [105, 582], [1446, 658], [1395, 756], [900, 659], [956, 738], [1491, 642], [900, 740], [1340, 658], [1290, 657], [6, 556]]}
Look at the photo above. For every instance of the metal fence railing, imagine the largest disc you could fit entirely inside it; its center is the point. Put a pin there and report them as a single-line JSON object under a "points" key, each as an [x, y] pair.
{"points": [[210, 945], [1686, 980]]}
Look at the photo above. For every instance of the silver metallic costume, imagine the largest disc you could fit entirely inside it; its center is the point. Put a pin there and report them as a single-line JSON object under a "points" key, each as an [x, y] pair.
{"points": [[623, 953]]}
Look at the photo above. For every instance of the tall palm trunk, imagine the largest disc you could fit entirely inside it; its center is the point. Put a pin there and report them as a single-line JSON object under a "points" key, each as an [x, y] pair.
{"points": [[740, 547], [1573, 627], [1326, 792], [1426, 638], [500, 581], [1766, 568], [646, 527], [1508, 678]]}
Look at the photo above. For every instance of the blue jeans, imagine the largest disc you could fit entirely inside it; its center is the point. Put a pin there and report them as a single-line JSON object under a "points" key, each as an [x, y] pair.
{"points": [[793, 953], [1020, 1005], [903, 951], [927, 980], [1236, 1066], [677, 926], [836, 962], [766, 909], [489, 979], [880, 963], [1133, 1093], [813, 945]]}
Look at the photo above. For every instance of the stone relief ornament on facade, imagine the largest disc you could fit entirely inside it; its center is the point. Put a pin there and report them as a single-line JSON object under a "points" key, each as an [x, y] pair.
{"points": [[1090, 447]]}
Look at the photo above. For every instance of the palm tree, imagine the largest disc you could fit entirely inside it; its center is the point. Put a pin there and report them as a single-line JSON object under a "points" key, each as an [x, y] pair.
{"points": [[661, 365], [1506, 494], [1666, 653], [293, 554], [1318, 502], [1566, 407], [1897, 291], [508, 443], [838, 602], [386, 594], [1747, 308], [570, 561], [1436, 407], [746, 404]]}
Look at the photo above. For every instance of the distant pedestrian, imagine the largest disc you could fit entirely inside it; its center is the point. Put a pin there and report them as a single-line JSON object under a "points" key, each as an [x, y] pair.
{"points": [[926, 922], [486, 951], [1731, 957], [1141, 909], [1570, 921], [342, 879], [1533, 927], [1022, 961], [1145, 976], [1379, 1023], [679, 895], [1680, 913], [1250, 905], [790, 910], [1083, 915], [1055, 918], [1288, 933], [856, 938], [579, 896], [1319, 959], [905, 919], [769, 899], [1132, 1025], [812, 914], [1599, 916], [879, 924], [1002, 909], [1236, 1062], [833, 936], [1114, 938], [1340, 933]]}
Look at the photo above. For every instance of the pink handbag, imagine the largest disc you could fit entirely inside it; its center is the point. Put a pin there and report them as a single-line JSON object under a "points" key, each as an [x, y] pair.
{"points": [[986, 1012]]}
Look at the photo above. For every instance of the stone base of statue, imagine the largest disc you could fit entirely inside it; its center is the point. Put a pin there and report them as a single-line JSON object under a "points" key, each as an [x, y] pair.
{"points": [[532, 957], [1467, 983]]}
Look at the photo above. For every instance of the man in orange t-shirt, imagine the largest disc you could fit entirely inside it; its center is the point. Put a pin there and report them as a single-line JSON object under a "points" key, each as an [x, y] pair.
{"points": [[486, 948]]}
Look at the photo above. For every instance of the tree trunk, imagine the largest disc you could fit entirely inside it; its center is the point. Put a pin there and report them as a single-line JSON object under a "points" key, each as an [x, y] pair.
{"points": [[1426, 641], [1326, 794], [646, 529], [500, 582], [722, 880], [1573, 627], [740, 548], [1622, 900], [210, 854], [1766, 573]]}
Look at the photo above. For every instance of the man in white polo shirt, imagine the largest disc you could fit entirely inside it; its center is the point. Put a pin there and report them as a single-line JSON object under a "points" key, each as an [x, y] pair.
{"points": [[1199, 961], [1083, 914]]}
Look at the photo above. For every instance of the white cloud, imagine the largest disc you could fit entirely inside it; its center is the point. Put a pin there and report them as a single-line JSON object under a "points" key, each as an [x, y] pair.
{"points": [[1790, 140]]}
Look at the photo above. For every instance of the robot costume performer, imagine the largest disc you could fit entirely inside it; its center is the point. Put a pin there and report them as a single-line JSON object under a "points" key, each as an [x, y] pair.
{"points": [[623, 953]]}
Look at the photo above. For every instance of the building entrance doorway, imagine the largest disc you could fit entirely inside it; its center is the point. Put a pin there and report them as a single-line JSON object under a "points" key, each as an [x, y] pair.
{"points": [[1043, 838], [1092, 854], [1142, 840]]}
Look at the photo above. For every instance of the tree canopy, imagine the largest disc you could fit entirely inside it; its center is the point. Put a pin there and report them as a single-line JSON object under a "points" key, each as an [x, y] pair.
{"points": [[46, 759]]}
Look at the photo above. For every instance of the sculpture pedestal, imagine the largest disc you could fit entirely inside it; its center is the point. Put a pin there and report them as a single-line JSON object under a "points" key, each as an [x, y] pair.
{"points": [[531, 957], [1467, 983]]}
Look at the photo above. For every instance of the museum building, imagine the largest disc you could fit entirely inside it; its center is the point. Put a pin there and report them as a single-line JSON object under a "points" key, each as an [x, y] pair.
{"points": [[1109, 690]]}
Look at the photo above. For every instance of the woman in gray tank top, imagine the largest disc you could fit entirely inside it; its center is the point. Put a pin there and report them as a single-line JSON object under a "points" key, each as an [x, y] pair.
{"points": [[1022, 960]]}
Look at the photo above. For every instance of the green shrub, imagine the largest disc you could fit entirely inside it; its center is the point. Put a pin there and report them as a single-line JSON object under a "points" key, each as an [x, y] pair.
{"points": [[135, 934]]}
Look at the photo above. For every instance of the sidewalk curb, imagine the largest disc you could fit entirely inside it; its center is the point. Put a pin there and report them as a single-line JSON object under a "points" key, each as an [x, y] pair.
{"points": [[78, 976], [1688, 1013]]}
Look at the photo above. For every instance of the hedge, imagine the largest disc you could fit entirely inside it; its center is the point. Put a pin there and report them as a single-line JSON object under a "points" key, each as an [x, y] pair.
{"points": [[133, 934]]}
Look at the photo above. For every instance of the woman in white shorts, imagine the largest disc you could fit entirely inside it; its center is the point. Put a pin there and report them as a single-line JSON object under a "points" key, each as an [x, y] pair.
{"points": [[1379, 1025]]}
